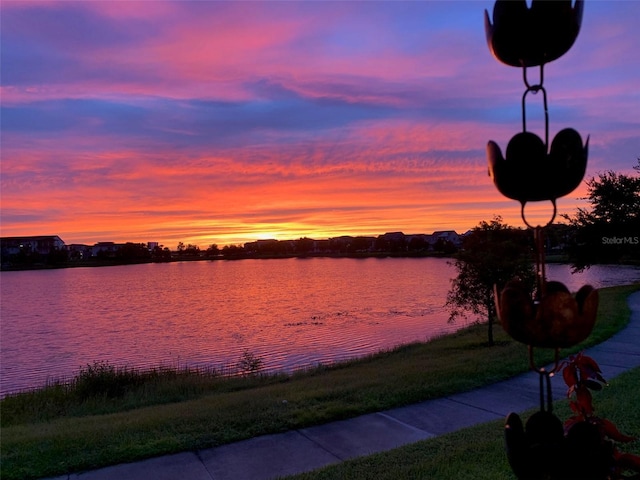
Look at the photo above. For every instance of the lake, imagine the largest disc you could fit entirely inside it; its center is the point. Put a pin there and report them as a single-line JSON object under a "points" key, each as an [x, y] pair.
{"points": [[291, 313]]}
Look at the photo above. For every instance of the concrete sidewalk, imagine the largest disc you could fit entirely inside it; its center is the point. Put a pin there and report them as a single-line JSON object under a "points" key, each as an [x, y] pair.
{"points": [[306, 449]]}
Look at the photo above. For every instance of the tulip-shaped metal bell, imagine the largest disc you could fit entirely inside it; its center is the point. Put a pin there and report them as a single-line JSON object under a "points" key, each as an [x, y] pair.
{"points": [[525, 37], [534, 451], [529, 173], [540, 449], [558, 320]]}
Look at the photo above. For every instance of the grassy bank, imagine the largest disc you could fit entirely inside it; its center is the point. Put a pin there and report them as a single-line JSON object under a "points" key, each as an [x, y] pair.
{"points": [[478, 452], [77, 434]]}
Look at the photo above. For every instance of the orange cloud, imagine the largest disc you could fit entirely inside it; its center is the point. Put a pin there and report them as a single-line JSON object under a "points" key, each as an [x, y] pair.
{"points": [[222, 122]]}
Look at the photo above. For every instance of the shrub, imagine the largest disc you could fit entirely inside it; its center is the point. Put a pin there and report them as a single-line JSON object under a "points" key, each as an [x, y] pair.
{"points": [[101, 379]]}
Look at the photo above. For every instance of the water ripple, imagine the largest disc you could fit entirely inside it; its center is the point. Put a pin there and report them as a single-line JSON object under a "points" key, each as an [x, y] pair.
{"points": [[289, 313]]}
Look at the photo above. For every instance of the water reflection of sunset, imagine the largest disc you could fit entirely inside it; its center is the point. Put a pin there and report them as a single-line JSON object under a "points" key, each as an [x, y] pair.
{"points": [[208, 122], [291, 313]]}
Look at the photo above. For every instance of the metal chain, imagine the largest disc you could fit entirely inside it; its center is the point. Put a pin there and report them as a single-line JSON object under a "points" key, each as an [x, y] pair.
{"points": [[535, 89], [541, 273]]}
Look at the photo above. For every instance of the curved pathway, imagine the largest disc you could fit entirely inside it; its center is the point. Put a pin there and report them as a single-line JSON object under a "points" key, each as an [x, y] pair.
{"points": [[271, 456]]}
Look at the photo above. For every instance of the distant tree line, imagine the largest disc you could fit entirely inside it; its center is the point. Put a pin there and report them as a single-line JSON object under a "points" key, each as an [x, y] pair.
{"points": [[561, 241], [395, 243]]}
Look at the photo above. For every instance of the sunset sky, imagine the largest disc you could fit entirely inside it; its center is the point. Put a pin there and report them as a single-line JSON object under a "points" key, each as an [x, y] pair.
{"points": [[225, 122]]}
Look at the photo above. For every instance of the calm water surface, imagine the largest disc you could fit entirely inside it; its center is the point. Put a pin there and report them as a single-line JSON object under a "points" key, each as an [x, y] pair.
{"points": [[290, 312]]}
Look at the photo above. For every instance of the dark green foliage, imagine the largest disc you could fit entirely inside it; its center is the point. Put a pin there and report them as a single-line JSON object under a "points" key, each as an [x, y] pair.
{"points": [[249, 363], [102, 388], [133, 252], [608, 232], [491, 255], [102, 379]]}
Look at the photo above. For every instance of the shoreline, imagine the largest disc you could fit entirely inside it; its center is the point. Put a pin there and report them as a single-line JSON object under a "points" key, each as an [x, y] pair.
{"points": [[175, 259]]}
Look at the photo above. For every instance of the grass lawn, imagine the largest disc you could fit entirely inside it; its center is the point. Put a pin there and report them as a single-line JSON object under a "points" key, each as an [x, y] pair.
{"points": [[478, 452], [54, 432]]}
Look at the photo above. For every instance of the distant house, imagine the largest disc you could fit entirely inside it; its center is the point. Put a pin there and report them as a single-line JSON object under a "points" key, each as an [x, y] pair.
{"points": [[105, 249], [262, 246], [340, 244], [42, 244], [447, 236], [418, 242], [392, 241], [394, 236], [78, 251]]}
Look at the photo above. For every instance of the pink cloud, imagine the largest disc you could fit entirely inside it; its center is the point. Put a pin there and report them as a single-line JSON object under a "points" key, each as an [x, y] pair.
{"points": [[402, 149]]}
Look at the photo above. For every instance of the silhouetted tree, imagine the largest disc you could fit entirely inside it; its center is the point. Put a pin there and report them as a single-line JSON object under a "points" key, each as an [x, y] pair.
{"points": [[360, 245], [161, 253], [418, 244], [492, 254], [609, 231], [381, 244], [212, 251], [304, 245], [232, 251], [444, 246], [557, 237], [133, 252], [397, 244], [192, 250]]}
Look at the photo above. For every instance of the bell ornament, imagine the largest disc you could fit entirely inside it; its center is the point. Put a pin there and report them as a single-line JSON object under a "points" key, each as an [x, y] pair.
{"points": [[522, 36]]}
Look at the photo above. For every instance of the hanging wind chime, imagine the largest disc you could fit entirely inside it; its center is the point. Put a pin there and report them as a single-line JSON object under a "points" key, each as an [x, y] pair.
{"points": [[533, 170]]}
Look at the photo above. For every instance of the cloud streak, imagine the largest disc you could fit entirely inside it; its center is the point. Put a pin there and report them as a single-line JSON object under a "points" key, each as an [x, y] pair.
{"points": [[221, 122]]}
